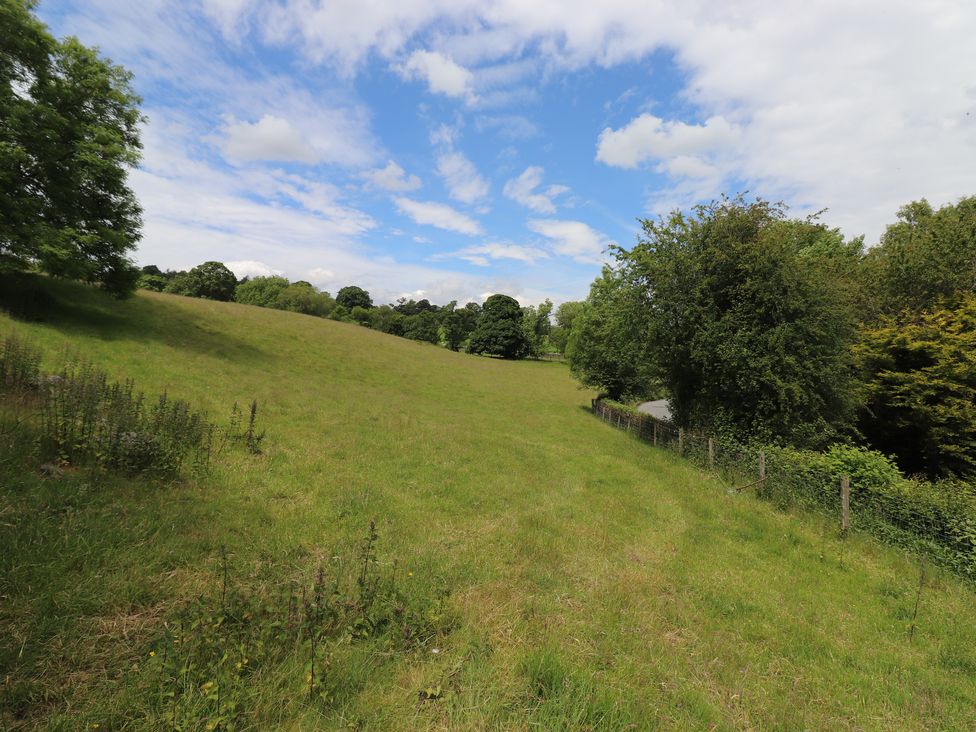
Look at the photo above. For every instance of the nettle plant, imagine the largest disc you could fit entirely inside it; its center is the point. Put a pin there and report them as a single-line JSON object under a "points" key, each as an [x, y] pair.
{"points": [[83, 417]]}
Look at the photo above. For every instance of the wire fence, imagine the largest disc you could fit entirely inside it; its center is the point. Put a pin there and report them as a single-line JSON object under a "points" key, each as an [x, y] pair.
{"points": [[935, 519]]}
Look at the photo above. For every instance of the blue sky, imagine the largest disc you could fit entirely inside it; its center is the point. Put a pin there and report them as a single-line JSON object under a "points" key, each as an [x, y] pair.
{"points": [[450, 150]]}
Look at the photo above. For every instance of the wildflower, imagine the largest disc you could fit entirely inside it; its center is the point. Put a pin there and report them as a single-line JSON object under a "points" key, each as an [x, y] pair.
{"points": [[409, 574], [152, 653]]}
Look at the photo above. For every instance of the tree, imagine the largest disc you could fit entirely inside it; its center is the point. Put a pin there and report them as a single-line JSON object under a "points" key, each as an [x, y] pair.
{"points": [[925, 256], [454, 332], [607, 346], [156, 283], [352, 296], [921, 383], [69, 133], [302, 297], [499, 331], [743, 321], [421, 327], [261, 291], [536, 324], [210, 280], [565, 315]]}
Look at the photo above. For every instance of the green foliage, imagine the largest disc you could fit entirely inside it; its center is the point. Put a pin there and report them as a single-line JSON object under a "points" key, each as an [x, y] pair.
{"points": [[301, 297], [69, 134], [607, 347], [925, 256], [565, 316], [261, 291], [156, 283], [536, 324], [422, 327], [921, 388], [352, 296], [499, 330], [742, 322], [454, 330], [210, 280]]}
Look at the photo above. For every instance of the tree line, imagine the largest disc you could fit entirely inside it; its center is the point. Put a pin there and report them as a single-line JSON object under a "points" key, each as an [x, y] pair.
{"points": [[500, 327], [767, 327]]}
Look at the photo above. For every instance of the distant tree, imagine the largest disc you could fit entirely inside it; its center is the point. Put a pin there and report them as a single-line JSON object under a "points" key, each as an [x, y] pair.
{"points": [[925, 256], [69, 133], [362, 316], [210, 280], [921, 383], [421, 327], [156, 283], [607, 347], [304, 298], [352, 296], [454, 332], [339, 312], [387, 320], [565, 315], [499, 331], [152, 269], [261, 291], [537, 324]]}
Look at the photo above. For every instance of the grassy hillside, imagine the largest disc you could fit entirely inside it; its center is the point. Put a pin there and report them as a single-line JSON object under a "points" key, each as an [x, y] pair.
{"points": [[579, 579]]}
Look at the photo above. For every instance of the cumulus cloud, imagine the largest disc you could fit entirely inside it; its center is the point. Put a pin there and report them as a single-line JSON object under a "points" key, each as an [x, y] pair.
{"points": [[438, 214], [464, 182], [523, 190], [483, 254], [442, 74], [651, 138], [270, 138], [392, 178], [572, 239], [250, 268]]}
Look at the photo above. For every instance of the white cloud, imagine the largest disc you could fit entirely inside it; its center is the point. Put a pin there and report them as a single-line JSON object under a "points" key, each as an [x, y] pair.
{"points": [[464, 182], [483, 254], [438, 214], [250, 268], [572, 239], [442, 74], [270, 138], [523, 190], [651, 138], [392, 178]]}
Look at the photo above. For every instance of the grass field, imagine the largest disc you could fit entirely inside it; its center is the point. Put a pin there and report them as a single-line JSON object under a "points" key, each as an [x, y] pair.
{"points": [[588, 581]]}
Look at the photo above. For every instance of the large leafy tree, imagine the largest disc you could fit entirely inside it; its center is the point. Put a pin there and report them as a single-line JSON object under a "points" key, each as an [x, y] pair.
{"points": [[210, 280], [499, 331], [537, 324], [924, 256], [607, 346], [262, 291], [351, 296], [69, 133], [921, 381], [741, 316]]}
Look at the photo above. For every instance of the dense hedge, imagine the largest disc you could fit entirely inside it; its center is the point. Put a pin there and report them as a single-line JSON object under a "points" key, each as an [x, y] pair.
{"points": [[936, 518]]}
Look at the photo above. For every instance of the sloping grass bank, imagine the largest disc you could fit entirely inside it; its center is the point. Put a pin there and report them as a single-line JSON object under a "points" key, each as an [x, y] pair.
{"points": [[569, 576]]}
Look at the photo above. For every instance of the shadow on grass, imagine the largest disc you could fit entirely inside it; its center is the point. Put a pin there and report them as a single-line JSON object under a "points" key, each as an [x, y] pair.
{"points": [[78, 309]]}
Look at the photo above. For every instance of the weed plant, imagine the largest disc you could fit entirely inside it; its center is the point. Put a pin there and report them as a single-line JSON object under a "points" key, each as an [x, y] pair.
{"points": [[211, 661]]}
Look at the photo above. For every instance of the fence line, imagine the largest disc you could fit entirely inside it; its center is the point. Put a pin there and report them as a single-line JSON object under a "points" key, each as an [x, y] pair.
{"points": [[943, 529]]}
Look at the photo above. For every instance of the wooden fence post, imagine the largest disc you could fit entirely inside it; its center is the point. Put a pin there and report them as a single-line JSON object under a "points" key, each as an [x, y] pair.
{"points": [[654, 423], [762, 465], [681, 441], [618, 420], [845, 504], [711, 452]]}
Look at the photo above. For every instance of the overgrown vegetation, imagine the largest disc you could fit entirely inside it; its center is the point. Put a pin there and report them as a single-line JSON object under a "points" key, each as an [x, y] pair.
{"points": [[82, 417], [761, 327]]}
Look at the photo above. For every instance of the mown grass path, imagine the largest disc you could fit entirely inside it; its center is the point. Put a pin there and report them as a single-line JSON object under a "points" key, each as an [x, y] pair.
{"points": [[593, 582]]}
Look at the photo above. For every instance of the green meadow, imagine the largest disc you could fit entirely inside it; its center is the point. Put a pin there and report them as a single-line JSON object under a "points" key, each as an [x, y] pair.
{"points": [[569, 576]]}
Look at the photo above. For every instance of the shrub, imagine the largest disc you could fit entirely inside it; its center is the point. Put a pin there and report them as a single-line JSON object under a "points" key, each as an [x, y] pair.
{"points": [[261, 291]]}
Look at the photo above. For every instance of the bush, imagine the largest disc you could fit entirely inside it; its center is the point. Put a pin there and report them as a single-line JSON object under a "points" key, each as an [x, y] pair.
{"points": [[261, 291]]}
